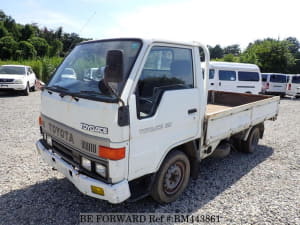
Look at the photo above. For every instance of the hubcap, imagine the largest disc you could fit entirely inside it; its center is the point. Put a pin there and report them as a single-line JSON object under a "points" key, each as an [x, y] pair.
{"points": [[173, 178]]}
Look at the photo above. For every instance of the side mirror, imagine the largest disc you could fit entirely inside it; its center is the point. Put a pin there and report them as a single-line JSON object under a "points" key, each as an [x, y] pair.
{"points": [[114, 66]]}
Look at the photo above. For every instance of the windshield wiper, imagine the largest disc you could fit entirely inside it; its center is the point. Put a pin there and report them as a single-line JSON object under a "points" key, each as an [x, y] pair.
{"points": [[58, 87]]}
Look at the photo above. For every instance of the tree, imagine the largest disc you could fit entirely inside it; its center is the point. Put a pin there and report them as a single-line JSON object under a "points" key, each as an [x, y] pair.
{"points": [[294, 45], [56, 48], [232, 49], [230, 58], [270, 55], [3, 31], [216, 52], [2, 15], [7, 47], [11, 26], [27, 32], [41, 46], [58, 33], [26, 50]]}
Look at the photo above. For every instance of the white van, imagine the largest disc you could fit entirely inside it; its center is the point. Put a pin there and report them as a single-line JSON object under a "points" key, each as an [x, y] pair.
{"points": [[293, 86], [234, 77], [274, 83]]}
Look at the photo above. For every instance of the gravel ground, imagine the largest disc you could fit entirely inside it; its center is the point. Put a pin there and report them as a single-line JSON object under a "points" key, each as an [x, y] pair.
{"points": [[259, 188]]}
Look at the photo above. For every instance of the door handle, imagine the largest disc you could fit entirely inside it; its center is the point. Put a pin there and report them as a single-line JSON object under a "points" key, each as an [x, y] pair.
{"points": [[190, 111], [211, 83], [219, 83]]}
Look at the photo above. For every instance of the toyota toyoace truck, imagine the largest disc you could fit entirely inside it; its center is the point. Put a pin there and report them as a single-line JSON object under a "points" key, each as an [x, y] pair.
{"points": [[145, 122]]}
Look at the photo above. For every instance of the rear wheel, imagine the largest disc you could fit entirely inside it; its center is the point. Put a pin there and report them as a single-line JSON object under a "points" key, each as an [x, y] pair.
{"points": [[250, 145], [172, 178]]}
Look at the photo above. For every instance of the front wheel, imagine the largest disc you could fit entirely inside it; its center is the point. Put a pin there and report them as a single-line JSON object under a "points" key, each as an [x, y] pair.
{"points": [[172, 178], [26, 91], [33, 88]]}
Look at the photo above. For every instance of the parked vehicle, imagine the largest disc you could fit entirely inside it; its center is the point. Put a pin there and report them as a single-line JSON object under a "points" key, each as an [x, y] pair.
{"points": [[293, 86], [234, 77], [274, 83], [17, 78], [144, 127], [94, 74]]}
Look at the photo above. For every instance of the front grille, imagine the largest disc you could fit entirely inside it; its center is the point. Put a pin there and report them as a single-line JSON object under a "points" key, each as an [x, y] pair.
{"points": [[73, 157], [2, 80], [65, 152]]}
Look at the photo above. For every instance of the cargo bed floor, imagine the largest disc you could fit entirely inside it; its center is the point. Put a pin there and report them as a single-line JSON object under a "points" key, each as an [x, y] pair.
{"points": [[211, 108]]}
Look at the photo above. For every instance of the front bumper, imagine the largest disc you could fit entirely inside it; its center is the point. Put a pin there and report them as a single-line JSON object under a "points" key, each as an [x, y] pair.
{"points": [[113, 193], [4, 86]]}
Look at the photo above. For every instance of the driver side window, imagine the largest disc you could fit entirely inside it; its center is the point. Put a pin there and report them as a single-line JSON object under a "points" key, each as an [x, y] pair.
{"points": [[166, 68]]}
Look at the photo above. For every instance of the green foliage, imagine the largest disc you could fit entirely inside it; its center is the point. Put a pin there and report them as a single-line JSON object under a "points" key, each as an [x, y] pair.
{"points": [[230, 58], [46, 42], [216, 52], [41, 46], [25, 50], [55, 48], [48, 67], [294, 45], [27, 32], [270, 55], [3, 31], [7, 47], [235, 50]]}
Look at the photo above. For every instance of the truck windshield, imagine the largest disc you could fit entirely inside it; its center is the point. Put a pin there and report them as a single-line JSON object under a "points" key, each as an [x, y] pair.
{"points": [[278, 78], [83, 68], [296, 80]]}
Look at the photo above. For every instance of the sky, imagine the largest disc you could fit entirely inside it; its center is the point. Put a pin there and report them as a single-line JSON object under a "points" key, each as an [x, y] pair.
{"points": [[211, 22]]}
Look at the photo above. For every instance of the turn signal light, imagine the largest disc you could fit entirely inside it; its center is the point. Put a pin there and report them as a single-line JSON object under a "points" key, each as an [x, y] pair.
{"points": [[290, 87], [267, 86], [97, 190], [111, 153]]}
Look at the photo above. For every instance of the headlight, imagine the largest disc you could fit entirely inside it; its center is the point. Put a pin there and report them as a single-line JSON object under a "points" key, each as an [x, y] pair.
{"points": [[49, 140], [101, 170], [86, 163], [18, 81]]}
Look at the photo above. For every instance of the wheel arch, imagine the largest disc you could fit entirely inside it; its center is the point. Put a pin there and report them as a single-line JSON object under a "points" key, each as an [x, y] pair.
{"points": [[192, 151]]}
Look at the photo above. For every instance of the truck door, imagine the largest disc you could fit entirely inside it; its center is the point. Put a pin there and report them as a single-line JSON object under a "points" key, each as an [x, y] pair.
{"points": [[164, 110], [227, 81]]}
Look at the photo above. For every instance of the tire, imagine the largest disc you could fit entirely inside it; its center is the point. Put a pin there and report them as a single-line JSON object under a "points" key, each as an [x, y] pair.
{"points": [[33, 88], [172, 178], [250, 145], [26, 91]]}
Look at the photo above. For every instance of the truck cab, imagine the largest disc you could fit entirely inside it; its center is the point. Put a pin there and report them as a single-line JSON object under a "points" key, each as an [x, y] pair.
{"points": [[141, 129]]}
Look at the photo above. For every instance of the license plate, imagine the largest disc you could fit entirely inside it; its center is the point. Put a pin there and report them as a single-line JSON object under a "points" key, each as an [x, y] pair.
{"points": [[4, 85]]}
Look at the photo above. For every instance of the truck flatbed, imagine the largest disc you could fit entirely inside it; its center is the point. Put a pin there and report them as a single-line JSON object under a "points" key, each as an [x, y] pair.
{"points": [[228, 113]]}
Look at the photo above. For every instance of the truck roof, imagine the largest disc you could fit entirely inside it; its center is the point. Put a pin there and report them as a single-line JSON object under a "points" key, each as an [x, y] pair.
{"points": [[232, 65], [148, 41]]}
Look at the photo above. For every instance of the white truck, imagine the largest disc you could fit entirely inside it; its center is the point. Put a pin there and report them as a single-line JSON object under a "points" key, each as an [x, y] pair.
{"points": [[144, 127]]}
